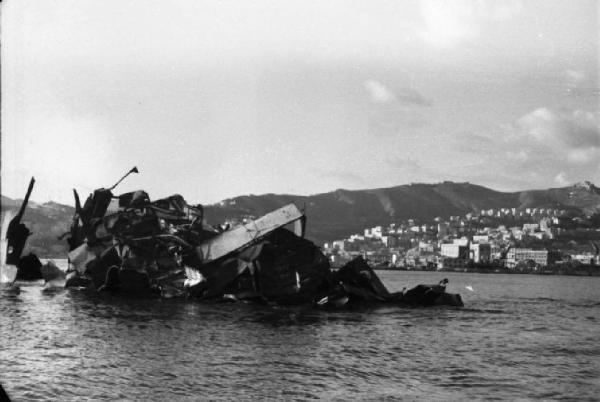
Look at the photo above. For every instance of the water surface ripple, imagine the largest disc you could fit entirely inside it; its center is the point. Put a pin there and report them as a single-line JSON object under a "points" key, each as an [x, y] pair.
{"points": [[519, 337]]}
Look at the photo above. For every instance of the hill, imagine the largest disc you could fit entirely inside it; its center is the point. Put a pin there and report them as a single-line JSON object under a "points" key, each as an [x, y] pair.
{"points": [[46, 221], [339, 213]]}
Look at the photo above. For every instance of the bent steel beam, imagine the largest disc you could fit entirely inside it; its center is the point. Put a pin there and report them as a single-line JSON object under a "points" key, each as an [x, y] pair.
{"points": [[245, 234]]}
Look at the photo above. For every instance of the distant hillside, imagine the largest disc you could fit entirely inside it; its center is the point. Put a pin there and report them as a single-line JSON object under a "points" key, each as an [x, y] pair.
{"points": [[582, 196], [47, 221], [338, 214]]}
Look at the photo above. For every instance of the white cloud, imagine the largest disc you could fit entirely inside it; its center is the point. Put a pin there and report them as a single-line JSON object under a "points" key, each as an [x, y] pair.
{"points": [[545, 146], [447, 23], [575, 78], [577, 129], [378, 92], [393, 111], [538, 123], [520, 155], [583, 156], [561, 179]]}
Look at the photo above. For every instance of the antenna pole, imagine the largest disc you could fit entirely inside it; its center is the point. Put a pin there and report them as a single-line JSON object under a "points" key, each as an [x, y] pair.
{"points": [[133, 170]]}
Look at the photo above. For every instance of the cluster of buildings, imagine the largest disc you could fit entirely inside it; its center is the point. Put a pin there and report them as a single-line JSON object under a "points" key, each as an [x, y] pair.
{"points": [[459, 242], [523, 213]]}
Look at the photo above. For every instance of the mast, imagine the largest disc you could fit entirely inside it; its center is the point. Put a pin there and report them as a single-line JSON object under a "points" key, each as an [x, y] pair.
{"points": [[17, 232], [25, 201]]}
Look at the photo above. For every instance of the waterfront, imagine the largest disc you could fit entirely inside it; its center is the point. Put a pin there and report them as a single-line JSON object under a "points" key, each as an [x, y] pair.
{"points": [[518, 337]]}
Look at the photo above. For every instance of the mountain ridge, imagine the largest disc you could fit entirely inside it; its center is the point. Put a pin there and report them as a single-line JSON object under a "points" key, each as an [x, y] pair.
{"points": [[339, 213]]}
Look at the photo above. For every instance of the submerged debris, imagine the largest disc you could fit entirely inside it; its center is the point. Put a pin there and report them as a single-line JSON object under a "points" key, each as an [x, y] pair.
{"points": [[17, 233], [28, 267], [13, 238], [128, 243]]}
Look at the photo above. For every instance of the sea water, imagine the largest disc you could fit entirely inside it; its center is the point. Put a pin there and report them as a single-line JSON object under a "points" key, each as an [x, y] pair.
{"points": [[520, 337]]}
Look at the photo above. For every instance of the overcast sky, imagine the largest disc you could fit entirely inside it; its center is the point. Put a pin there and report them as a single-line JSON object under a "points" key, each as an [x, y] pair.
{"points": [[213, 99]]}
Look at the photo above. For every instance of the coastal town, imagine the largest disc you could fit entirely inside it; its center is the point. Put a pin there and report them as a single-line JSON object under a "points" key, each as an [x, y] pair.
{"points": [[495, 240]]}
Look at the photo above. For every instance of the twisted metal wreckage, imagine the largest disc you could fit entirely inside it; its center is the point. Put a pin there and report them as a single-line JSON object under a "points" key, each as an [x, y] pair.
{"points": [[130, 244]]}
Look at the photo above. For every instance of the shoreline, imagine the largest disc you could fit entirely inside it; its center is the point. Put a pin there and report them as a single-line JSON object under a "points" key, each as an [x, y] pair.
{"points": [[595, 271]]}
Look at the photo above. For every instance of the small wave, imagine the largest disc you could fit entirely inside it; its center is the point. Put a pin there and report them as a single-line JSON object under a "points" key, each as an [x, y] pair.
{"points": [[460, 382], [537, 329], [52, 291], [29, 284], [10, 292], [538, 299], [575, 351], [486, 311], [586, 305]]}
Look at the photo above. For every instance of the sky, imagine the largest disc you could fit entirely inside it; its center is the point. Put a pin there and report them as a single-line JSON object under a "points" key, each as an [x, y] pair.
{"points": [[215, 99]]}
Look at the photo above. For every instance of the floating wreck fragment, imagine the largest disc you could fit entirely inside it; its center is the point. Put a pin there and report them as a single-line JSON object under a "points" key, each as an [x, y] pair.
{"points": [[128, 243], [14, 235]]}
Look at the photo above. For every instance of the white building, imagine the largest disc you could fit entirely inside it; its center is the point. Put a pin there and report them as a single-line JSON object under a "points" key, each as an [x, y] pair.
{"points": [[454, 251], [515, 255], [425, 247], [584, 258], [530, 227], [463, 241], [375, 232], [339, 244], [481, 239]]}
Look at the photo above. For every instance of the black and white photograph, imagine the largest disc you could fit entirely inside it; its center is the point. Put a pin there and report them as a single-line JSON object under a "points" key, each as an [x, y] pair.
{"points": [[316, 200]]}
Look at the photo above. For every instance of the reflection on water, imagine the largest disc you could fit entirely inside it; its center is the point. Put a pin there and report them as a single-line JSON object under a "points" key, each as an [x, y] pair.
{"points": [[519, 336]]}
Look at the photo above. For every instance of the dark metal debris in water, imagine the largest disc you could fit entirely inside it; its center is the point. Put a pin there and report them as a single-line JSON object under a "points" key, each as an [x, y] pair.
{"points": [[127, 243]]}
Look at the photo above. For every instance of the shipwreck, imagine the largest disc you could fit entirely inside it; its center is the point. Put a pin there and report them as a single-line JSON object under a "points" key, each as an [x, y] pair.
{"points": [[130, 244]]}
